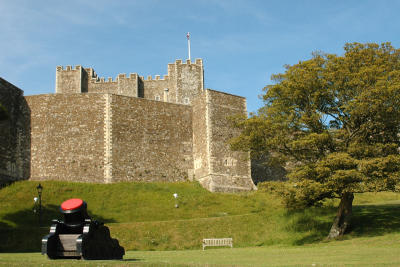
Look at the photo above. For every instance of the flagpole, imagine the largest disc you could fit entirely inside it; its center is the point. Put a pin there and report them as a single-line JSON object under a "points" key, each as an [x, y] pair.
{"points": [[188, 38]]}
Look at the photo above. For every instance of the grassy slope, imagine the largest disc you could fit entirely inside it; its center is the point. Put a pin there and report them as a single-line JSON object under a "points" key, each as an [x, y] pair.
{"points": [[142, 215]]}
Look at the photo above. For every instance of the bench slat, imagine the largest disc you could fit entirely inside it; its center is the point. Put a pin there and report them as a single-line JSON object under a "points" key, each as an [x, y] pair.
{"points": [[208, 242]]}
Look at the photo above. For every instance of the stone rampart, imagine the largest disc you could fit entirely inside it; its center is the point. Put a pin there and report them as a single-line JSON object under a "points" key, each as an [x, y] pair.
{"points": [[128, 129], [151, 140], [14, 134], [67, 137], [227, 170], [181, 85]]}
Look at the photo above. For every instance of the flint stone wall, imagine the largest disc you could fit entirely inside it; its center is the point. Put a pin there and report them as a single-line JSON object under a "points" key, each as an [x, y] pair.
{"points": [[67, 137], [224, 170], [14, 134], [151, 140], [109, 138]]}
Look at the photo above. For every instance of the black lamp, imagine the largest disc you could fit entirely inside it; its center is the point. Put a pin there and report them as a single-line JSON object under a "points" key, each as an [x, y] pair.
{"points": [[39, 190]]}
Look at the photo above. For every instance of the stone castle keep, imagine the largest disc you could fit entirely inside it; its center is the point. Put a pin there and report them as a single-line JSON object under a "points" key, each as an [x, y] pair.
{"points": [[127, 129]]}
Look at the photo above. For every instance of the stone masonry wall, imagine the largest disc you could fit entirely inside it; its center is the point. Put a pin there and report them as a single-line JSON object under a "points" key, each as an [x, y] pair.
{"points": [[67, 137], [98, 130], [14, 134], [69, 80], [182, 84], [200, 137], [151, 140], [154, 89], [228, 170], [189, 81]]}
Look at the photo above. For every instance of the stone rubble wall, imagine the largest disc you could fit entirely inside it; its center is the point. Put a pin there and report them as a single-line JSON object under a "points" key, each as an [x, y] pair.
{"points": [[200, 137], [151, 140], [14, 134], [229, 171], [67, 137], [181, 85], [105, 131]]}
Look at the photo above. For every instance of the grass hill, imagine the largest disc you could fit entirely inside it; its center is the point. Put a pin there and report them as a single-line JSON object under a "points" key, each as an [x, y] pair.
{"points": [[143, 215]]}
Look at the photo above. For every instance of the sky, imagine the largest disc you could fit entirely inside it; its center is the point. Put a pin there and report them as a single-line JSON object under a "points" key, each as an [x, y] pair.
{"points": [[242, 42]]}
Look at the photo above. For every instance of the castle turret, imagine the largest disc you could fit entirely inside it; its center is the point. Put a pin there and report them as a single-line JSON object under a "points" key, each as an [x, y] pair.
{"points": [[69, 80]]}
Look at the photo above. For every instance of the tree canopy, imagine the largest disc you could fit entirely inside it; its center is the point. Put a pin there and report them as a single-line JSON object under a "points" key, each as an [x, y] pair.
{"points": [[333, 121]]}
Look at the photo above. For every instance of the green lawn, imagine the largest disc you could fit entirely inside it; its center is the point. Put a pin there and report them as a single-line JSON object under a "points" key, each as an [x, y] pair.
{"points": [[377, 251], [143, 218]]}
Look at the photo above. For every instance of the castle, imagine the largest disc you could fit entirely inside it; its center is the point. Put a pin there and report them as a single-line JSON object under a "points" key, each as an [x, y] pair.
{"points": [[128, 129]]}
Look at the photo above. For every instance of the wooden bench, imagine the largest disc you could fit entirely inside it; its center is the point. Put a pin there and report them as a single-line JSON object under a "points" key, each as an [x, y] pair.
{"points": [[217, 242]]}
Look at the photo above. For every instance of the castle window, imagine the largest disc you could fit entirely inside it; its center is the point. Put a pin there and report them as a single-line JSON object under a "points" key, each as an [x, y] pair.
{"points": [[157, 98], [186, 101], [230, 161]]}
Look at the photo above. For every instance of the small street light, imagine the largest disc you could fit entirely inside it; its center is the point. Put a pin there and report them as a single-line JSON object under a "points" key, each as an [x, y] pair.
{"points": [[39, 190], [176, 200], [35, 200]]}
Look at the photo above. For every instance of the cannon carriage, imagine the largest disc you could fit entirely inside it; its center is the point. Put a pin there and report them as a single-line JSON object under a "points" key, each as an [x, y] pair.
{"points": [[80, 237]]}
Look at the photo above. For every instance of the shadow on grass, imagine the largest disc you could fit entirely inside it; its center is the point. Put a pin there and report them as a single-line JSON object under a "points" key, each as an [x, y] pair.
{"points": [[374, 220], [29, 218], [313, 224], [24, 233]]}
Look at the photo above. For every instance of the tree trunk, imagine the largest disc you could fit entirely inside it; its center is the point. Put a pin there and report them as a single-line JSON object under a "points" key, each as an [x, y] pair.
{"points": [[343, 216]]}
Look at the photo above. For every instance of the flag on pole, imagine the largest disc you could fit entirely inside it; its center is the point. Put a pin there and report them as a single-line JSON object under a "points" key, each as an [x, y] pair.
{"points": [[188, 35]]}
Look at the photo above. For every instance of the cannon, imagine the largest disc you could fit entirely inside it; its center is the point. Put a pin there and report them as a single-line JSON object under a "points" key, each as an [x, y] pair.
{"points": [[80, 237]]}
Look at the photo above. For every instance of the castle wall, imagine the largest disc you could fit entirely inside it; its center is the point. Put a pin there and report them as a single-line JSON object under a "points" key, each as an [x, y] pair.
{"points": [[200, 138], [182, 84], [123, 85], [97, 130], [189, 80], [67, 137], [14, 134], [102, 87], [151, 140], [228, 170], [69, 80], [153, 88], [128, 86]]}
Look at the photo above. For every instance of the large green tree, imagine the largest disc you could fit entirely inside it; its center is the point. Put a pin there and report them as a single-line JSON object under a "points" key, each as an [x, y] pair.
{"points": [[333, 121]]}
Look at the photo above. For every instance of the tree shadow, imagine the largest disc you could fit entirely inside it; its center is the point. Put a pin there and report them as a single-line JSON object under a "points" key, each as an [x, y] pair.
{"points": [[312, 224], [375, 220], [24, 231], [367, 221]]}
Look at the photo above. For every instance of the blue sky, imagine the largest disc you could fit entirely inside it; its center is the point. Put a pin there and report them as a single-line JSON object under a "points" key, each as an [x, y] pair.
{"points": [[242, 42]]}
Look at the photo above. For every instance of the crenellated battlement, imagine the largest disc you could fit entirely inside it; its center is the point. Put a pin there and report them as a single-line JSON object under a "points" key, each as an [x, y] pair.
{"points": [[103, 80], [68, 68], [197, 61], [183, 81], [121, 76], [156, 78]]}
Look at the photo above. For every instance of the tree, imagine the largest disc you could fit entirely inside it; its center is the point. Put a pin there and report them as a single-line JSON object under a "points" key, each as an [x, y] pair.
{"points": [[334, 122]]}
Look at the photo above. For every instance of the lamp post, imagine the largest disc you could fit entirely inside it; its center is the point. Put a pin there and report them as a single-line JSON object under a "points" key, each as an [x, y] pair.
{"points": [[176, 200], [39, 190]]}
